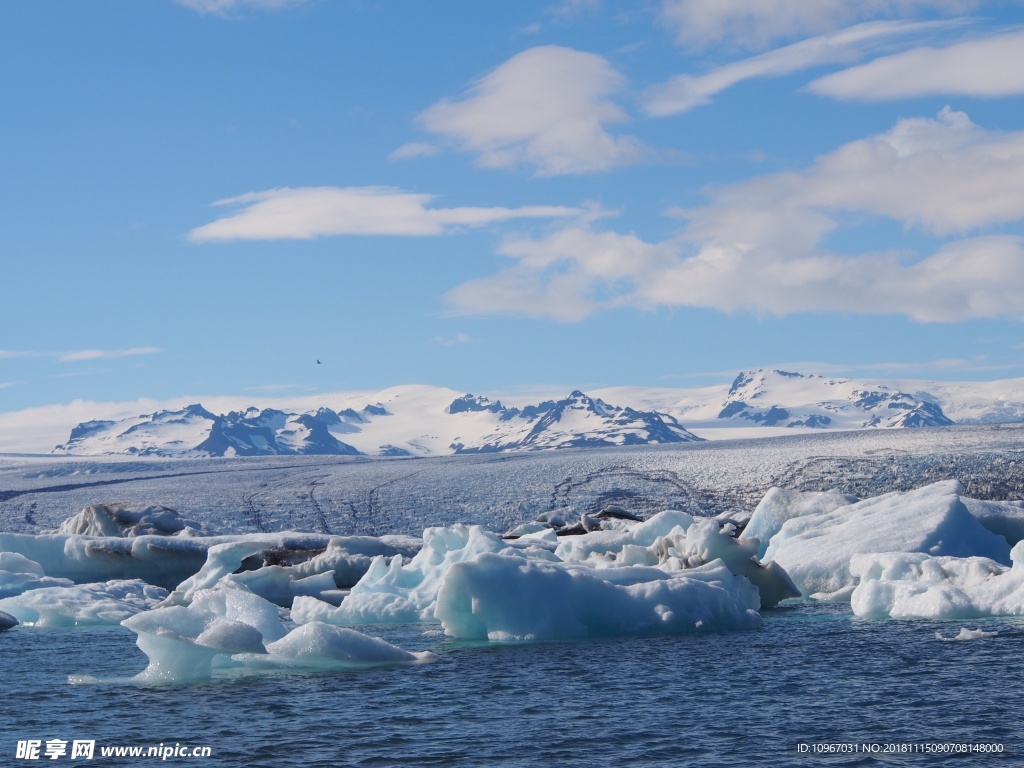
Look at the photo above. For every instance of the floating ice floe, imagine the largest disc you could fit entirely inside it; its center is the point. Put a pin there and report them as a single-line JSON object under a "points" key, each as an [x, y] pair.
{"points": [[182, 642], [83, 604], [167, 561], [966, 634], [501, 597], [815, 549], [667, 574], [914, 585], [229, 627], [317, 645], [19, 574]]}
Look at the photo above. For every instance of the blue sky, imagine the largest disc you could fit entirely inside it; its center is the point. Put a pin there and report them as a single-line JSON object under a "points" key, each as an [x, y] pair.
{"points": [[207, 196]]}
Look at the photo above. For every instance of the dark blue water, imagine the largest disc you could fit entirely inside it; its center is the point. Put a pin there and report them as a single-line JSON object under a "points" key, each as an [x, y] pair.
{"points": [[812, 673]]}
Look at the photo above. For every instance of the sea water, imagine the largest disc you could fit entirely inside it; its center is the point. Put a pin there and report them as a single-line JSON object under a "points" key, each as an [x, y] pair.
{"points": [[811, 675]]}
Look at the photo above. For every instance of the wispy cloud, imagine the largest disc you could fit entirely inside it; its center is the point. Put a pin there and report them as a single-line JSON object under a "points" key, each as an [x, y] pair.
{"points": [[229, 7], [684, 92], [414, 149], [758, 245], [758, 24], [78, 355], [452, 341], [989, 67], [308, 212], [547, 109], [105, 354]]}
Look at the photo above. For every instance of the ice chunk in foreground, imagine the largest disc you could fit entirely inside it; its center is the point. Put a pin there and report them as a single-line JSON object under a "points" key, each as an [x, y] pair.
{"points": [[779, 505], [914, 585], [815, 549], [501, 597], [7, 621], [228, 627], [182, 642], [966, 634], [317, 644], [244, 606], [83, 604]]}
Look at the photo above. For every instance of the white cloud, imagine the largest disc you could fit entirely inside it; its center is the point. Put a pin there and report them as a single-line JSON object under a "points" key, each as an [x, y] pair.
{"points": [[105, 354], [546, 108], [989, 67], [80, 354], [308, 212], [414, 149], [757, 246], [756, 24], [452, 341], [227, 7], [684, 92]]}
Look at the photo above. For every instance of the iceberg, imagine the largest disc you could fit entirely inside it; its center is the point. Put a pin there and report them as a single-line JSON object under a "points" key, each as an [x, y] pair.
{"points": [[181, 642], [668, 544], [167, 561], [125, 520], [83, 604], [231, 628], [966, 634], [780, 505], [322, 645], [915, 585], [393, 591], [508, 598], [815, 549], [1004, 518]]}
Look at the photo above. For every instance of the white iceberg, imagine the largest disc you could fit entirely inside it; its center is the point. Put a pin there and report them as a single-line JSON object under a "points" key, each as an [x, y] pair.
{"points": [[966, 634], [317, 644], [502, 597], [914, 585], [815, 549], [18, 574], [126, 519], [779, 505], [181, 642], [393, 591], [83, 604]]}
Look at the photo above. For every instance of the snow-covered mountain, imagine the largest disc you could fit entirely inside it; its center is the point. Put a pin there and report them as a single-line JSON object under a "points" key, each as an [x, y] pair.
{"points": [[415, 421], [785, 400], [428, 421]]}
